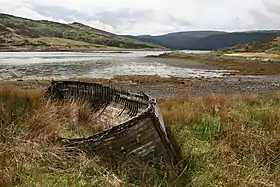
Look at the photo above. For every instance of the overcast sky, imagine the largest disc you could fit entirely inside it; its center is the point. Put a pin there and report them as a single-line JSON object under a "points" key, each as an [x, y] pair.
{"points": [[153, 16]]}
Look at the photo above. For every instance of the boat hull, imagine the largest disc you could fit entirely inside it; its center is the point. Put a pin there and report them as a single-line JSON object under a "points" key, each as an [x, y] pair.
{"points": [[135, 125]]}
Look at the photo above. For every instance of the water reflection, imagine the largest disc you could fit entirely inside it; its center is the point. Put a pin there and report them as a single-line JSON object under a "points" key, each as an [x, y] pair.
{"points": [[60, 65]]}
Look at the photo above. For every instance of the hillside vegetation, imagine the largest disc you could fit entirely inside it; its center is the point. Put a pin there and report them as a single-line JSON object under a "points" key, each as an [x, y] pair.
{"points": [[224, 140], [268, 45], [19, 34]]}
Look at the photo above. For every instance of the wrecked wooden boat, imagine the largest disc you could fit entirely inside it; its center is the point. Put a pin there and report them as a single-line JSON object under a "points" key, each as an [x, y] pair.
{"points": [[137, 128]]}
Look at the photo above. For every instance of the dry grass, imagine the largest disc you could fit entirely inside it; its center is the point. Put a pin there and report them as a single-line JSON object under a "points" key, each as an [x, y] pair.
{"points": [[68, 119], [247, 68], [254, 55], [30, 154], [224, 141]]}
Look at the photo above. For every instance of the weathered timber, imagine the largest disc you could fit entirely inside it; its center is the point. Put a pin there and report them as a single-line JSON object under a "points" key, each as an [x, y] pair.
{"points": [[134, 124]]}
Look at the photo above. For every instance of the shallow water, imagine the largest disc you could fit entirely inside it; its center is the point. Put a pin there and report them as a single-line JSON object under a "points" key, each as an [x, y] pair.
{"points": [[62, 65]]}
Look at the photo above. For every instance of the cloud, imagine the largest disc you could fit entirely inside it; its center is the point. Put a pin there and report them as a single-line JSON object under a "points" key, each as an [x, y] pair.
{"points": [[272, 7], [267, 17], [153, 16]]}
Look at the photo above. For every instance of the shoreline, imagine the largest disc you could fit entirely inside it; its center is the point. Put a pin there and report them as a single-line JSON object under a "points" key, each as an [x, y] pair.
{"points": [[253, 79], [84, 50], [174, 87], [215, 56]]}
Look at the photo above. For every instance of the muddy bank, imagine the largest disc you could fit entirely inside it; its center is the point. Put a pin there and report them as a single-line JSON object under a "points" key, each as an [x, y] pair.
{"points": [[161, 88], [203, 87], [240, 65], [221, 57]]}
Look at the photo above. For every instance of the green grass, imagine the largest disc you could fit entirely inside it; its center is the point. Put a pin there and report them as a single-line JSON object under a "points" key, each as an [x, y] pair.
{"points": [[224, 141], [228, 141]]}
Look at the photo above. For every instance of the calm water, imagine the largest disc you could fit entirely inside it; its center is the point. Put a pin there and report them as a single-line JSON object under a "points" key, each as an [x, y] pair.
{"points": [[61, 65]]}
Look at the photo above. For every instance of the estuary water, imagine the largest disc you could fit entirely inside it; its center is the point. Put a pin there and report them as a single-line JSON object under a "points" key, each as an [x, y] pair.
{"points": [[64, 65]]}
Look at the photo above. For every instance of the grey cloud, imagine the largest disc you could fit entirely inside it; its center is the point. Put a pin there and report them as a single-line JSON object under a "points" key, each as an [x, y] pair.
{"points": [[264, 20], [59, 12], [129, 17], [269, 18], [113, 18], [272, 7], [155, 16], [178, 21]]}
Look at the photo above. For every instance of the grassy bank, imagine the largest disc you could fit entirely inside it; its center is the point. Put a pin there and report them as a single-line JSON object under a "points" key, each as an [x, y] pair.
{"points": [[224, 141], [240, 63]]}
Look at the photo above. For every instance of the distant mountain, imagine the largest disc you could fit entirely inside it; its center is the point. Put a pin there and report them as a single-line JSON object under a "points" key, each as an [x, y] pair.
{"points": [[178, 40], [20, 34], [228, 40], [206, 40]]}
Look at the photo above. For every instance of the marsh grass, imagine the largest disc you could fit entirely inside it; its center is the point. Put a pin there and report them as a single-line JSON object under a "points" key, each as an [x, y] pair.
{"points": [[30, 154], [224, 141]]}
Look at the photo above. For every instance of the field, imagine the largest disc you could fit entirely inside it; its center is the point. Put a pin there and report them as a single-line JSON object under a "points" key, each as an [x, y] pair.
{"points": [[225, 140]]}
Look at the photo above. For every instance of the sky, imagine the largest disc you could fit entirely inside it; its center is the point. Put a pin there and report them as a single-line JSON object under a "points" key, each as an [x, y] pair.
{"points": [[153, 17]]}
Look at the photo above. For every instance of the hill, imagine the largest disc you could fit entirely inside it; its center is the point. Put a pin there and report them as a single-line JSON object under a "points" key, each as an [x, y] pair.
{"points": [[269, 45], [229, 40], [178, 40], [206, 40], [20, 34]]}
